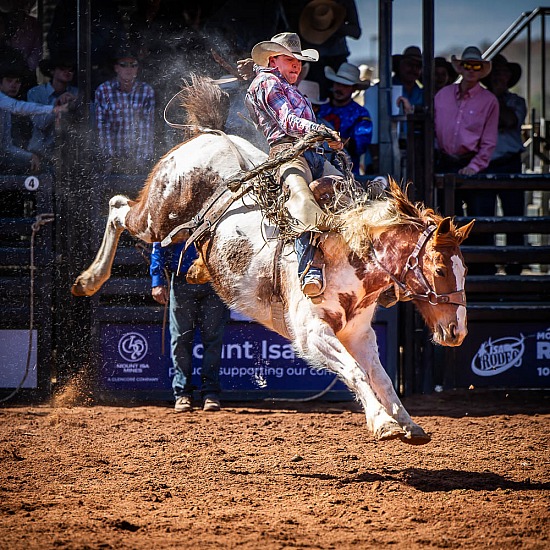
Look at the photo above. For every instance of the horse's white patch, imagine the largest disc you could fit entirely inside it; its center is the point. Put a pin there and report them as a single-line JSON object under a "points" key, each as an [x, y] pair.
{"points": [[459, 271]]}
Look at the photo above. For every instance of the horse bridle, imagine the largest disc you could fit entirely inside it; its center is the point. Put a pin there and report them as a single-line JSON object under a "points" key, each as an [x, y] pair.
{"points": [[406, 293]]}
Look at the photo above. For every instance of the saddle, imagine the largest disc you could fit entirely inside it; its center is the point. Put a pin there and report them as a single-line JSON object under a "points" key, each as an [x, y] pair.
{"points": [[328, 192]]}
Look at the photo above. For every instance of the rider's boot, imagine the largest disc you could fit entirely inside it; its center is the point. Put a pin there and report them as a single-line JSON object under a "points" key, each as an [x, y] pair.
{"points": [[302, 206], [310, 264]]}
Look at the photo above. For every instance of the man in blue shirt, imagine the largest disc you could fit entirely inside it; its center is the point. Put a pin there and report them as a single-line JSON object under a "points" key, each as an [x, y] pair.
{"points": [[191, 306], [407, 69], [351, 120], [57, 91], [14, 159]]}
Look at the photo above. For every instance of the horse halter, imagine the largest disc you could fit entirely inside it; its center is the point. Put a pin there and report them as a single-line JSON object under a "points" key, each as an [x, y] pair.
{"points": [[406, 293]]}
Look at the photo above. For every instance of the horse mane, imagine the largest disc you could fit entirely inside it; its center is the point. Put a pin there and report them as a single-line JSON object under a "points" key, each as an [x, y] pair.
{"points": [[367, 219], [205, 103]]}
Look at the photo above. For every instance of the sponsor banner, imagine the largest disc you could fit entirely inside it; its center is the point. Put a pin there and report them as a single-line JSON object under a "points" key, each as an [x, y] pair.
{"points": [[14, 346], [505, 355], [253, 358]]}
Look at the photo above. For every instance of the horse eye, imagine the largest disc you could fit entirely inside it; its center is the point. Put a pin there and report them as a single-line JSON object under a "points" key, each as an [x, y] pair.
{"points": [[440, 272]]}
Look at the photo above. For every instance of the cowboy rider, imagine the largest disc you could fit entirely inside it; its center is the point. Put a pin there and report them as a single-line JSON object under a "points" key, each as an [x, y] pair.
{"points": [[284, 115]]}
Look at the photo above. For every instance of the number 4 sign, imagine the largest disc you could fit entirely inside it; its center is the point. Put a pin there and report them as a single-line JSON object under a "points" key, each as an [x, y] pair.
{"points": [[31, 183]]}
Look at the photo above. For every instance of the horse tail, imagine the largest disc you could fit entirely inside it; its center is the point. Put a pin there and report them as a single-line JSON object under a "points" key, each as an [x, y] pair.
{"points": [[205, 103]]}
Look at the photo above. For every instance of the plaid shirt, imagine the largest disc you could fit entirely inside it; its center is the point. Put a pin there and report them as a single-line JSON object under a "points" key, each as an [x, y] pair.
{"points": [[125, 121], [278, 108]]}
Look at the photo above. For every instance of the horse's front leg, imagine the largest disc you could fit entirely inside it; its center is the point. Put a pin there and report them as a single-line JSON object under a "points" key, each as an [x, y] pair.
{"points": [[318, 344], [362, 345], [93, 278]]}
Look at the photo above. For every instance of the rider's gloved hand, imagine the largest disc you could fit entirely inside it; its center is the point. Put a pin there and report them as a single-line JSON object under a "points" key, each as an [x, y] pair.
{"points": [[332, 137], [245, 68]]}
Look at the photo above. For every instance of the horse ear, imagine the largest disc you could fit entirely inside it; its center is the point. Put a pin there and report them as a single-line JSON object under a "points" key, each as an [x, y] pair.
{"points": [[444, 227], [464, 231]]}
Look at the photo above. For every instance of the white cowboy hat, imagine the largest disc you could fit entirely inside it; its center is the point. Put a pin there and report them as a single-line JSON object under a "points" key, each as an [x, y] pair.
{"points": [[320, 19], [286, 43], [347, 74], [311, 90], [472, 54]]}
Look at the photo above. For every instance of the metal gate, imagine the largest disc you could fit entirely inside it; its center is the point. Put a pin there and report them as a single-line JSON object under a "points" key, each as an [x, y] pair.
{"points": [[508, 345], [26, 329]]}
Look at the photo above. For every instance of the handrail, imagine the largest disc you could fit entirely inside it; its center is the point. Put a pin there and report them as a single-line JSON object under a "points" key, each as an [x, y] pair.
{"points": [[513, 30]]}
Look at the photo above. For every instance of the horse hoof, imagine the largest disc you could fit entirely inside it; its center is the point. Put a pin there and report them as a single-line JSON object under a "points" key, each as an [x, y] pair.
{"points": [[389, 432], [78, 289], [416, 437]]}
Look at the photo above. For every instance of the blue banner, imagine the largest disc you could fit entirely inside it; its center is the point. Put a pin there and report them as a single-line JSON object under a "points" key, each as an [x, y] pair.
{"points": [[504, 355], [253, 358]]}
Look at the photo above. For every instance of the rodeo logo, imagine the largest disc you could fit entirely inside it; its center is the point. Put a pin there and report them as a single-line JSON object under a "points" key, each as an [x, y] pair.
{"points": [[495, 357], [132, 347]]}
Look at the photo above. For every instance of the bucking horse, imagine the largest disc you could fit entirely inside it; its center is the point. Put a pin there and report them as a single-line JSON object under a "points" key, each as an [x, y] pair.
{"points": [[384, 244]]}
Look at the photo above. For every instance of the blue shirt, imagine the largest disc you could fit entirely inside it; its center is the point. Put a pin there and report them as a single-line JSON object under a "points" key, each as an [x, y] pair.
{"points": [[415, 96], [9, 106], [353, 122], [169, 256], [43, 129]]}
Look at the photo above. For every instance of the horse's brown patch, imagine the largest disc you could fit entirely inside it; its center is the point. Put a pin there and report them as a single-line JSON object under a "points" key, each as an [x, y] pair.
{"points": [[366, 301], [348, 303], [239, 254], [357, 264], [265, 289], [333, 319], [168, 199], [373, 282]]}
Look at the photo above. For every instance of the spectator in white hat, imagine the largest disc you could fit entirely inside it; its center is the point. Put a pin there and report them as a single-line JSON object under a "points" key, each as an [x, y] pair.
{"points": [[466, 128]]}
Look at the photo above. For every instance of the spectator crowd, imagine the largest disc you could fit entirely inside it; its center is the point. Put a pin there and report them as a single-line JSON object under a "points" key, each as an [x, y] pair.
{"points": [[139, 58]]}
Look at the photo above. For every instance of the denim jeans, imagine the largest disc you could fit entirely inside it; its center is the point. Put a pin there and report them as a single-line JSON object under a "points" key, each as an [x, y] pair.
{"points": [[192, 307], [305, 253]]}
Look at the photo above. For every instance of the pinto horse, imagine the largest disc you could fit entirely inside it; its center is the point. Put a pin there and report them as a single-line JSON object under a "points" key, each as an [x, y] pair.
{"points": [[384, 243]]}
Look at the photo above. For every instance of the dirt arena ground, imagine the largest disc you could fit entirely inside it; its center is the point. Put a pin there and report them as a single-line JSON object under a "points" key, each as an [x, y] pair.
{"points": [[258, 476]]}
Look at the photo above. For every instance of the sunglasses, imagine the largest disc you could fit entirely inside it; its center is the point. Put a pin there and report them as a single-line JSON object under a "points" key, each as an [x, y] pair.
{"points": [[472, 66], [126, 64]]}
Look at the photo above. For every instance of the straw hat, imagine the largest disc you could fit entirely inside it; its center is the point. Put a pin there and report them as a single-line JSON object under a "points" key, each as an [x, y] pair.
{"points": [[347, 74], [473, 54], [311, 90], [286, 43], [320, 19]]}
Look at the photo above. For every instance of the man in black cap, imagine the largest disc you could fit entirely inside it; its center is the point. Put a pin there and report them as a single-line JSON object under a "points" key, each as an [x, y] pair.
{"points": [[506, 158], [57, 91]]}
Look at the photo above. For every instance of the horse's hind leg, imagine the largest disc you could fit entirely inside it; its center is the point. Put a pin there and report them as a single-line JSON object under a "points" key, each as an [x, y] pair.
{"points": [[91, 280]]}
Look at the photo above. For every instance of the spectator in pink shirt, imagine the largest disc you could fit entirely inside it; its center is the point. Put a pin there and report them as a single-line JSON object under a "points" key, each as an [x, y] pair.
{"points": [[466, 118], [466, 130]]}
